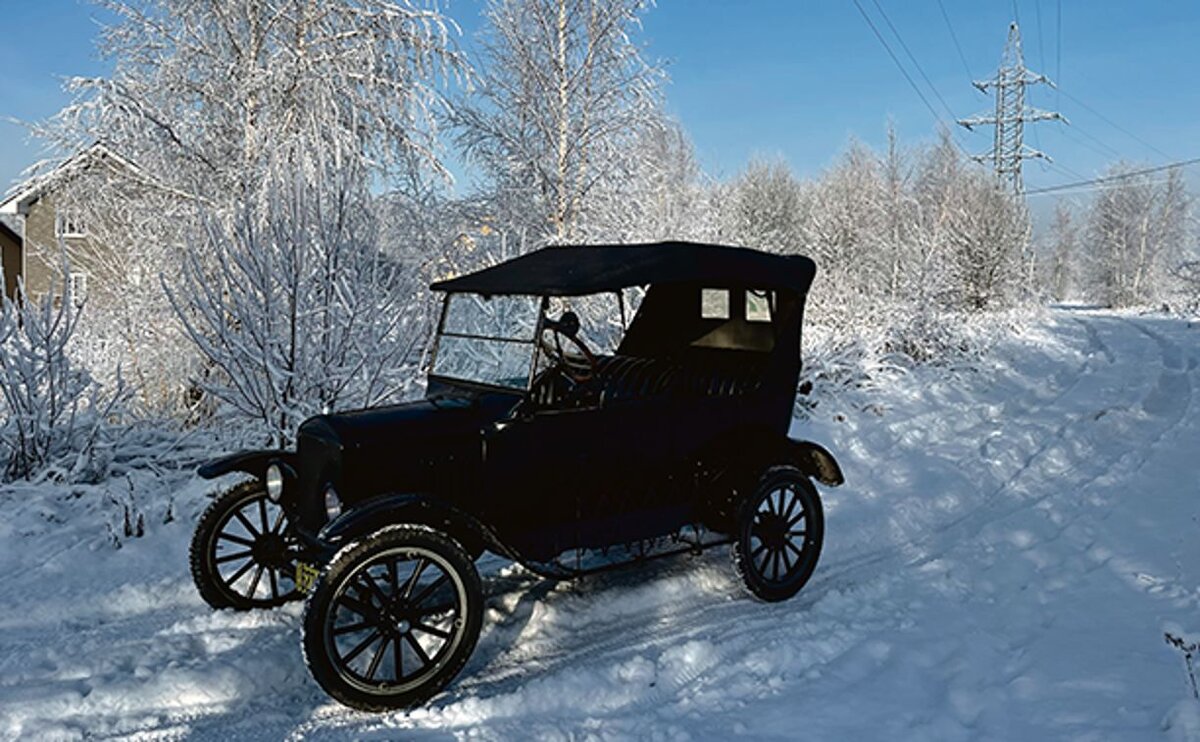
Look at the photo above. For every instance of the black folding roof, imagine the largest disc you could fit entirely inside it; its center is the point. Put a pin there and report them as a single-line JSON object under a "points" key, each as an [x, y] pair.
{"points": [[592, 269]]}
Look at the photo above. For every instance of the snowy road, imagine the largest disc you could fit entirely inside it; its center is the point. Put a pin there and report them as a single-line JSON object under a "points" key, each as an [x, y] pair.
{"points": [[1002, 563]]}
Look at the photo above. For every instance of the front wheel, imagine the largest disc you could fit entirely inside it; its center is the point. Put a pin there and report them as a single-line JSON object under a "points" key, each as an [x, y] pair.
{"points": [[242, 551], [393, 619], [780, 528]]}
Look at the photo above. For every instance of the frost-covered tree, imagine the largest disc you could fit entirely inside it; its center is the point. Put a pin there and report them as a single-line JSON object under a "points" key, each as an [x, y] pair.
{"points": [[988, 232], [658, 193], [296, 309], [203, 92], [564, 92], [1137, 228], [1063, 252], [222, 101], [55, 420], [766, 207]]}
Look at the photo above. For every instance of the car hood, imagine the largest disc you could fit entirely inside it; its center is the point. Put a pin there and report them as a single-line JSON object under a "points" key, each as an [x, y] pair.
{"points": [[396, 424], [411, 447]]}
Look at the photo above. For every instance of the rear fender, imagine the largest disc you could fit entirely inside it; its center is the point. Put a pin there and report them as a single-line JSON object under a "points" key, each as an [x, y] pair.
{"points": [[750, 450], [815, 461], [407, 508], [250, 462]]}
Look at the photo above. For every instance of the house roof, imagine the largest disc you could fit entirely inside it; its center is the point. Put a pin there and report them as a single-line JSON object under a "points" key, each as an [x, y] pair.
{"points": [[24, 194], [591, 269]]}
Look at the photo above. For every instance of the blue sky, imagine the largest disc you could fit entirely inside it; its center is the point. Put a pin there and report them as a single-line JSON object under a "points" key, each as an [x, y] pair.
{"points": [[798, 80]]}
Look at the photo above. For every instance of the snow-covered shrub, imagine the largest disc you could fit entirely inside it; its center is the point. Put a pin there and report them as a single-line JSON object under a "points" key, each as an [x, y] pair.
{"points": [[57, 422], [296, 309], [1187, 281]]}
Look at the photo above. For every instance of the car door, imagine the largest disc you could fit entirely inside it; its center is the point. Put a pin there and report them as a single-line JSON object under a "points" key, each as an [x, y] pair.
{"points": [[576, 477]]}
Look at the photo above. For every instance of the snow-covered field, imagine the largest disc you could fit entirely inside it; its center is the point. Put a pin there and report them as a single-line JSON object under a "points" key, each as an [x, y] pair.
{"points": [[1010, 546]]}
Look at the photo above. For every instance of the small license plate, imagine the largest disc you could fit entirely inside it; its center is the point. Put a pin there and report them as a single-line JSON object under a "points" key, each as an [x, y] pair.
{"points": [[306, 576]]}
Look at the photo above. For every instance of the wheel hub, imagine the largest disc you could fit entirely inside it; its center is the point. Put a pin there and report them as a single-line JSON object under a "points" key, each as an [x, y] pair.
{"points": [[270, 549], [772, 529]]}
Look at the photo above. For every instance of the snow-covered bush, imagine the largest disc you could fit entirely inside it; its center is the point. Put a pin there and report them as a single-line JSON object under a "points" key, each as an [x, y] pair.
{"points": [[296, 309], [57, 422], [1187, 279]]}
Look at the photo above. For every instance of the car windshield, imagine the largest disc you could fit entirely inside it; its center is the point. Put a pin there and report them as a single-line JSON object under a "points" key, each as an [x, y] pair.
{"points": [[487, 341]]}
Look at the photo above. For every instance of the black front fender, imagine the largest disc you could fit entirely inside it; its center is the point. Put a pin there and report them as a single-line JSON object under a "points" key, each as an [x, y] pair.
{"points": [[388, 510], [250, 462]]}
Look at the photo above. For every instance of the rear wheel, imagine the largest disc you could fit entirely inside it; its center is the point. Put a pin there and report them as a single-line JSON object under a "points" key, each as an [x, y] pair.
{"points": [[242, 551], [780, 528], [393, 619]]}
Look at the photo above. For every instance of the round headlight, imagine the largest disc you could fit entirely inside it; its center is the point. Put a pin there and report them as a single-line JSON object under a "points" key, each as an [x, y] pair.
{"points": [[274, 482], [333, 505]]}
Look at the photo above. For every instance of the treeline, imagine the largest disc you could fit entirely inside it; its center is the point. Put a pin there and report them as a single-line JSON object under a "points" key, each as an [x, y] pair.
{"points": [[292, 202]]}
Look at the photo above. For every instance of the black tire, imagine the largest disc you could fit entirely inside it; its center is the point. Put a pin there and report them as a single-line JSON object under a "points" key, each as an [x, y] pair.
{"points": [[410, 595], [242, 538], [780, 529]]}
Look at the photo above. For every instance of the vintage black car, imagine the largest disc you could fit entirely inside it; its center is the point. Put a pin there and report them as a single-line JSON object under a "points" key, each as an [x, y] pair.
{"points": [[535, 446]]}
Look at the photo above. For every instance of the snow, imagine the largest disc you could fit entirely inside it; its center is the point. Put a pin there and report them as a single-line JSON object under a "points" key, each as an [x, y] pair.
{"points": [[1009, 549]]}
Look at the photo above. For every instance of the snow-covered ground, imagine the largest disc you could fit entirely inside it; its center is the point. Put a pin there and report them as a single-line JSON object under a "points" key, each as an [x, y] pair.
{"points": [[1010, 546]]}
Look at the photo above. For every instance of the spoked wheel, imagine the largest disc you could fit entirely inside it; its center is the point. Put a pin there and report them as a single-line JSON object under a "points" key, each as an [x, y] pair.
{"points": [[780, 530], [393, 619], [242, 552]]}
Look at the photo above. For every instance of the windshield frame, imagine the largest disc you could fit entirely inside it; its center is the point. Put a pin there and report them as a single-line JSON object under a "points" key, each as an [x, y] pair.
{"points": [[532, 341]]}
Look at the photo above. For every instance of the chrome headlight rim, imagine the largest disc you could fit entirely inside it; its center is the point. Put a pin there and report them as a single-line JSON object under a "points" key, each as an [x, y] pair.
{"points": [[273, 481], [333, 503]]}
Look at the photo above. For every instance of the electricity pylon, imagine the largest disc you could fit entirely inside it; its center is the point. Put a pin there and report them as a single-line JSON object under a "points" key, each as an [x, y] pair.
{"points": [[1011, 115]]}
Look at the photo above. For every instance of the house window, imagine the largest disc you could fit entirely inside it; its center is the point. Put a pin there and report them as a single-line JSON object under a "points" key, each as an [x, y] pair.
{"points": [[758, 305], [78, 288], [714, 303], [69, 223]]}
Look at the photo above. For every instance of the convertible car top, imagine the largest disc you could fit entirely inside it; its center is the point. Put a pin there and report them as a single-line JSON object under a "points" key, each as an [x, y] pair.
{"points": [[592, 269]]}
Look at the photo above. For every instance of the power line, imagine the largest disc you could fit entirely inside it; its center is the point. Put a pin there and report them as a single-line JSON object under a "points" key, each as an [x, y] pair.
{"points": [[899, 66], [1115, 125], [1037, 6], [912, 58], [1065, 170], [1113, 178], [1058, 52], [954, 37], [1099, 147]]}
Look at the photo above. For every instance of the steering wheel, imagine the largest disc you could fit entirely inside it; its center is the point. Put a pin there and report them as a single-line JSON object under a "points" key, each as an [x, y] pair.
{"points": [[573, 367]]}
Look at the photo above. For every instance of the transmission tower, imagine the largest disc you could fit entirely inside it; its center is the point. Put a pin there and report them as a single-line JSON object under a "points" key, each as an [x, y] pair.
{"points": [[1011, 115]]}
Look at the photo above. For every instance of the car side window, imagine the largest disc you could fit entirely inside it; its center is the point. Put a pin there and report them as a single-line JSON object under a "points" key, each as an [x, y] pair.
{"points": [[714, 303], [758, 305]]}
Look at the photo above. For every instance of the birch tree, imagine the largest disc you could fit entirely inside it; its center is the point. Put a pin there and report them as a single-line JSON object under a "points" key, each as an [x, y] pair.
{"points": [[1136, 230], [204, 91], [563, 93], [1064, 253]]}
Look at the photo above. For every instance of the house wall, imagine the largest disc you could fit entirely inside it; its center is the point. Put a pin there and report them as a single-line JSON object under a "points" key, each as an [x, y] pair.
{"points": [[10, 261], [43, 260]]}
